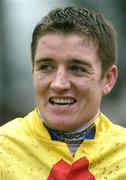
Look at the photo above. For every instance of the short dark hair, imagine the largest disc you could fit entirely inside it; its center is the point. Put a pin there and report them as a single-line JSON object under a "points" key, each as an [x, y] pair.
{"points": [[84, 22]]}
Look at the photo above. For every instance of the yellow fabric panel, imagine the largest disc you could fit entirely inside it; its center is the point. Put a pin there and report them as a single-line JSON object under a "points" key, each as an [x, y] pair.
{"points": [[27, 151]]}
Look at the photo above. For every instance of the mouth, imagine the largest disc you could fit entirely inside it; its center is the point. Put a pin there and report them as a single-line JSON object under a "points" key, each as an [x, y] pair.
{"points": [[62, 101]]}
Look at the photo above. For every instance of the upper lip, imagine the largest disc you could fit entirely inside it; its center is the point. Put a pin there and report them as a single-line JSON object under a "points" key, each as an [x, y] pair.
{"points": [[62, 97]]}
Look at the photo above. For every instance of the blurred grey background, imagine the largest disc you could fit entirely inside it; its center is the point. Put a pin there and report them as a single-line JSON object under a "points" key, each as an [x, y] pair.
{"points": [[17, 21]]}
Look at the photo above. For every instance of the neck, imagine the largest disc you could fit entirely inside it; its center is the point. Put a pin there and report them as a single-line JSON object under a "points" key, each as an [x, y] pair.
{"points": [[83, 127]]}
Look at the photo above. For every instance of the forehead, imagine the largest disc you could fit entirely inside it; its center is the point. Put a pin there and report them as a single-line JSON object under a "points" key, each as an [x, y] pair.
{"points": [[65, 45]]}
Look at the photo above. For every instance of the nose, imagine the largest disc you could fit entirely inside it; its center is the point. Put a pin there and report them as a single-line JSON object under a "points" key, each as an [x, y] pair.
{"points": [[60, 82]]}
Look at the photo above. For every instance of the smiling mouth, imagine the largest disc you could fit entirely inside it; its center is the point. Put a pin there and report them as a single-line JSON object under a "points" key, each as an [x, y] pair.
{"points": [[62, 101]]}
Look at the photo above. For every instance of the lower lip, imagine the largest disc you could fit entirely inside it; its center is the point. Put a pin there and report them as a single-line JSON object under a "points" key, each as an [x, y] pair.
{"points": [[62, 107]]}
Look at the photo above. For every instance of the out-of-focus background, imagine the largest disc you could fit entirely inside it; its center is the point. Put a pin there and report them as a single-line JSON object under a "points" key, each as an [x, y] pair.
{"points": [[17, 21]]}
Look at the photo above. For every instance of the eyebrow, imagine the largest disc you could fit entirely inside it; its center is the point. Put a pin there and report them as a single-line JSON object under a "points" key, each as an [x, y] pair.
{"points": [[73, 60], [38, 61], [81, 62]]}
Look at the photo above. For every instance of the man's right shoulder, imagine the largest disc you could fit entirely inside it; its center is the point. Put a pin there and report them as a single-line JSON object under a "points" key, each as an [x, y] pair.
{"points": [[11, 125]]}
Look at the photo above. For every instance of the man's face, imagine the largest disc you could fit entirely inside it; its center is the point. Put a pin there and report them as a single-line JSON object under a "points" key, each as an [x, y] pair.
{"points": [[67, 80]]}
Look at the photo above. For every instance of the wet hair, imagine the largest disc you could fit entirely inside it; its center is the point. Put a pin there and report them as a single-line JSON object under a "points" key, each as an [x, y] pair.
{"points": [[84, 22]]}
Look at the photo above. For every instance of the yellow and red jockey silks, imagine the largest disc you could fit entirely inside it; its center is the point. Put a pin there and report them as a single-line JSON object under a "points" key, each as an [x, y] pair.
{"points": [[28, 152]]}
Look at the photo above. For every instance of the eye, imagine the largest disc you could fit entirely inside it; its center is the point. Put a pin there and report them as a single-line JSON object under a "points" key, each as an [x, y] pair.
{"points": [[76, 69], [46, 67]]}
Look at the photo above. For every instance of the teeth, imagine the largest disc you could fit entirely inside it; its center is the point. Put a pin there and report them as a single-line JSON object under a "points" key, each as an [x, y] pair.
{"points": [[62, 101]]}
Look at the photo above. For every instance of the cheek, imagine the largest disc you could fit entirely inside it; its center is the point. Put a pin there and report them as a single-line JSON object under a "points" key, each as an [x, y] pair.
{"points": [[88, 90], [38, 83], [41, 84], [83, 86]]}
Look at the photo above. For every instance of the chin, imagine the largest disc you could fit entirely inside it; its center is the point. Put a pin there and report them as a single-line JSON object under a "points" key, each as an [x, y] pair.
{"points": [[61, 126]]}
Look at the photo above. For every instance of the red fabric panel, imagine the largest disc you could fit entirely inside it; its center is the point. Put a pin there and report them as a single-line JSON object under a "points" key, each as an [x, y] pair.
{"points": [[77, 171]]}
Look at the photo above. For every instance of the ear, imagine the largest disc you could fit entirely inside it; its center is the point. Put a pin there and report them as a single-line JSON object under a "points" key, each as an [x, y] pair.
{"points": [[110, 80]]}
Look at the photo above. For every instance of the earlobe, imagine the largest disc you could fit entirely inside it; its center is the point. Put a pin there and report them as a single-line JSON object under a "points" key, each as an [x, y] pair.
{"points": [[110, 80]]}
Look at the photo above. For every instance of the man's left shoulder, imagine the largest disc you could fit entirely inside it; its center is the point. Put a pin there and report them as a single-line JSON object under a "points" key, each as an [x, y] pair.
{"points": [[118, 130]]}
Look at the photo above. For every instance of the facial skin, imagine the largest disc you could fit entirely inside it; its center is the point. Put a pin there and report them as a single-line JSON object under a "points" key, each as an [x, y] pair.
{"points": [[67, 80]]}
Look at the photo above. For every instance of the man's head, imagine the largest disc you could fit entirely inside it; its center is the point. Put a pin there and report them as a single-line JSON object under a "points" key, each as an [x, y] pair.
{"points": [[74, 56], [85, 23]]}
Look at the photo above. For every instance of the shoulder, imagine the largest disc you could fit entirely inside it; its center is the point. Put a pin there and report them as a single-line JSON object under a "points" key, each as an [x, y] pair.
{"points": [[16, 125], [112, 128], [117, 129]]}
